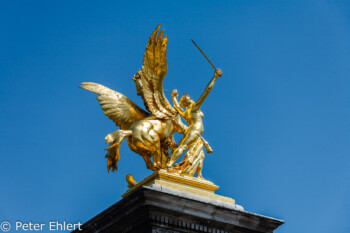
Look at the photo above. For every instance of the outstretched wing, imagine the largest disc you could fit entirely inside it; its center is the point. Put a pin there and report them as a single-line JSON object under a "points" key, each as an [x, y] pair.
{"points": [[120, 109], [149, 82]]}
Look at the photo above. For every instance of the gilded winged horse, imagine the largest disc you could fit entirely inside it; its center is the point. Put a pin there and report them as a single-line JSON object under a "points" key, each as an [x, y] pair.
{"points": [[148, 133]]}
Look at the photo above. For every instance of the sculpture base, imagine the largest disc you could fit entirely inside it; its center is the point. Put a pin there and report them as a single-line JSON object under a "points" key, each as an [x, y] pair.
{"points": [[187, 184], [151, 209]]}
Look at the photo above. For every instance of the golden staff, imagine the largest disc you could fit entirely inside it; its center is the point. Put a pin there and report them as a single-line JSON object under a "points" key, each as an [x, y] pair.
{"points": [[203, 54]]}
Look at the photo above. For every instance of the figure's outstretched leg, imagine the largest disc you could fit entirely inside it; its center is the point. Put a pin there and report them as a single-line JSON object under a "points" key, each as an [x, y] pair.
{"points": [[178, 151], [185, 142], [207, 146]]}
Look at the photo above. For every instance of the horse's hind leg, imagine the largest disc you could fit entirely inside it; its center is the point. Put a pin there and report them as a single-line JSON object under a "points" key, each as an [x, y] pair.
{"points": [[115, 140], [145, 154], [146, 138], [151, 144], [154, 144]]}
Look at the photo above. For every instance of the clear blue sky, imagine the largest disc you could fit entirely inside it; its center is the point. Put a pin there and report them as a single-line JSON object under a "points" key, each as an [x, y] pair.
{"points": [[278, 120]]}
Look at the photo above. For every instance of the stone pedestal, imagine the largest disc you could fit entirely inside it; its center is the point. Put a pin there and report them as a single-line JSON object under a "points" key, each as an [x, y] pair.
{"points": [[187, 184], [156, 208]]}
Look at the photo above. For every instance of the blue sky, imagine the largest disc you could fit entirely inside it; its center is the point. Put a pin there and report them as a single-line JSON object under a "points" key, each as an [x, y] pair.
{"points": [[278, 119]]}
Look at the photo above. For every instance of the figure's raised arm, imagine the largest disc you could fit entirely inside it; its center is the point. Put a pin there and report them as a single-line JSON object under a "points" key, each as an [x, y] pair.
{"points": [[174, 96], [218, 73]]}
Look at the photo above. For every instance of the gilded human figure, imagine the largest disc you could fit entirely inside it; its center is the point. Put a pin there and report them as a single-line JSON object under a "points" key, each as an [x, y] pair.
{"points": [[193, 116], [149, 132]]}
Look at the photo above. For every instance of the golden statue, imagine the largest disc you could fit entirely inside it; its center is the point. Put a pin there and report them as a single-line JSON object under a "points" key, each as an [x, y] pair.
{"points": [[150, 133]]}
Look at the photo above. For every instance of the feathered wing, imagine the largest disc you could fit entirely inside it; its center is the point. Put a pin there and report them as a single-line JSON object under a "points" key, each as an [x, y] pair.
{"points": [[120, 109], [149, 81]]}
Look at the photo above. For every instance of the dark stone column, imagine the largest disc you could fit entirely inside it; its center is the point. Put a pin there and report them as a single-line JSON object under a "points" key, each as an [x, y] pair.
{"points": [[149, 209]]}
